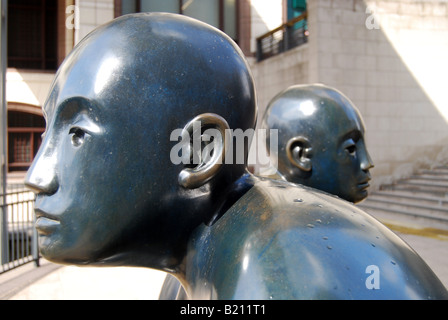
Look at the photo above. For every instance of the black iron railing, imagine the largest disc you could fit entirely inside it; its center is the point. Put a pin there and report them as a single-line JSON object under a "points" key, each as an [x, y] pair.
{"points": [[283, 38], [18, 237]]}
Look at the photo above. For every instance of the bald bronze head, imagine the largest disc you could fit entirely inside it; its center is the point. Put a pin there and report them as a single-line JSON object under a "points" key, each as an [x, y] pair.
{"points": [[320, 140], [106, 185]]}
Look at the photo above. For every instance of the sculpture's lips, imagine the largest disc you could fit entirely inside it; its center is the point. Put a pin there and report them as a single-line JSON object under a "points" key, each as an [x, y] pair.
{"points": [[363, 185], [45, 223]]}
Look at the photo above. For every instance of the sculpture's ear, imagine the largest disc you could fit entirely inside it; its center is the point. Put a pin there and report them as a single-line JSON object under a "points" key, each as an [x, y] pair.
{"points": [[208, 147], [298, 151]]}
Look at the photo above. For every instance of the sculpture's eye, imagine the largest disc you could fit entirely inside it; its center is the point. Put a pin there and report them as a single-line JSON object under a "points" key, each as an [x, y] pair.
{"points": [[350, 147], [77, 136]]}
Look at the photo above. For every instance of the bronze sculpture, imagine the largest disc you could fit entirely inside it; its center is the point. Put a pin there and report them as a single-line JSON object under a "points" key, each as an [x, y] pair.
{"points": [[320, 141], [318, 129], [108, 192]]}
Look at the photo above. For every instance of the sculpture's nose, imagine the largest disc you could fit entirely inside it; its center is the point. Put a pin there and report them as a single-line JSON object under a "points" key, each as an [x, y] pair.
{"points": [[42, 175], [366, 161]]}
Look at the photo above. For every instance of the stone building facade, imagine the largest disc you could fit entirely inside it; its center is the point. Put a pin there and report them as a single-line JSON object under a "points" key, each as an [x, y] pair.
{"points": [[387, 56]]}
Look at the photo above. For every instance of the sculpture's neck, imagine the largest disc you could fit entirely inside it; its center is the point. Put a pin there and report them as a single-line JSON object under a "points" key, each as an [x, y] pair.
{"points": [[204, 232]]}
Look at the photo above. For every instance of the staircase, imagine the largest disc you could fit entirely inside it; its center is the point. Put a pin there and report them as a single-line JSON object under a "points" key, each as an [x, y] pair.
{"points": [[421, 199]]}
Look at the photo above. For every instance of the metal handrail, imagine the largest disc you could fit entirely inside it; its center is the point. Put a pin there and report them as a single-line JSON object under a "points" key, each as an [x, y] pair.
{"points": [[19, 237], [282, 38], [289, 23]]}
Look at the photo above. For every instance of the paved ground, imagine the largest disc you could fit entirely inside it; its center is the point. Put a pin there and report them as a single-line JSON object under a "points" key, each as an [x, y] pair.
{"points": [[430, 243], [76, 283], [54, 282], [433, 251]]}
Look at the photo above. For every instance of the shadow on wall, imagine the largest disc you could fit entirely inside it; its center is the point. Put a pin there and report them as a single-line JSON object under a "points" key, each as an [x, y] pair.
{"points": [[404, 105]]}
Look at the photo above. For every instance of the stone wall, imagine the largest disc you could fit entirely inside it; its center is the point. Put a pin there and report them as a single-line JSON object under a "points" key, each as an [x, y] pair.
{"points": [[389, 58], [93, 13], [279, 72]]}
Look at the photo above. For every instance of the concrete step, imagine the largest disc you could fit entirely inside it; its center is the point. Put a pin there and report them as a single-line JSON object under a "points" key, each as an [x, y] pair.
{"points": [[401, 217], [443, 167], [434, 171], [418, 188], [410, 209], [410, 197], [421, 198], [404, 218], [432, 182], [431, 177]]}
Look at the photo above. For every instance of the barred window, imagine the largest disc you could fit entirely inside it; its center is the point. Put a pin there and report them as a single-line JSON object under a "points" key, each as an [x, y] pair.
{"points": [[24, 138], [221, 14], [32, 34]]}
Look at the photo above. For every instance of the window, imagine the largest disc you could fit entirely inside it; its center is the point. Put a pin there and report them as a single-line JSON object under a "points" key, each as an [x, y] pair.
{"points": [[24, 138], [159, 6], [32, 34], [204, 10], [296, 8], [218, 13], [291, 34]]}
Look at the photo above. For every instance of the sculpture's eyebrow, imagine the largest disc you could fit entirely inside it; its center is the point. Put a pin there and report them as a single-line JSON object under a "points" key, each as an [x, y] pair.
{"points": [[354, 134], [70, 109]]}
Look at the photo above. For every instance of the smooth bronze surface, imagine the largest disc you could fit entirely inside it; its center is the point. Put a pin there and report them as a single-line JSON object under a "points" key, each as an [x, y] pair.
{"points": [[108, 191]]}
